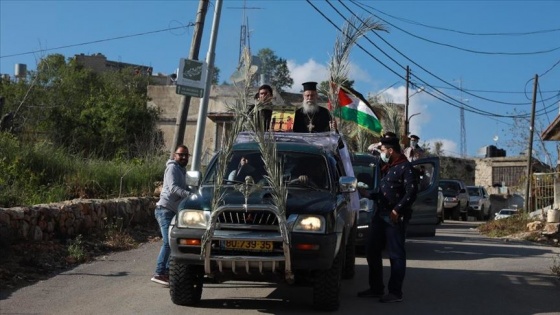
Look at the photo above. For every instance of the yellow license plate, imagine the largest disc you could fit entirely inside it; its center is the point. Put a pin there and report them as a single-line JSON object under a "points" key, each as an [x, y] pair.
{"points": [[258, 246]]}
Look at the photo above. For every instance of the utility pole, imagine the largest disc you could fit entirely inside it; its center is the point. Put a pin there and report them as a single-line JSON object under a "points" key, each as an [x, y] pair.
{"points": [[183, 113], [203, 110], [407, 101], [530, 149], [463, 132]]}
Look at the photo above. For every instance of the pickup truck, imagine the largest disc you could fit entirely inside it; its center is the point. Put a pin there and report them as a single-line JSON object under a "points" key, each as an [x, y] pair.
{"points": [[456, 199], [242, 230], [479, 202]]}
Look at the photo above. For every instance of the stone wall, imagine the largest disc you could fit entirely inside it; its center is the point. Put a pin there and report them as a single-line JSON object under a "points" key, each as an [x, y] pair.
{"points": [[70, 218]]}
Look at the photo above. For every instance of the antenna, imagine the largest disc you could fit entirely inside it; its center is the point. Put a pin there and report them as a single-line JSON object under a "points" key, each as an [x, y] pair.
{"points": [[244, 33]]}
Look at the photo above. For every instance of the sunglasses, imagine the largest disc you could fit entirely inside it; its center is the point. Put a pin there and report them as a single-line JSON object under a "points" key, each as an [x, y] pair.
{"points": [[183, 154]]}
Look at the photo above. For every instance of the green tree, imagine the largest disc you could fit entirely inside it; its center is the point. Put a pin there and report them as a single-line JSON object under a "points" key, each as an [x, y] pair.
{"points": [[95, 114], [274, 69]]}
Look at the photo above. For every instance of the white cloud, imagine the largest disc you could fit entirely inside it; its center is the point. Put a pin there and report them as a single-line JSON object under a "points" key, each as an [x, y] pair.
{"points": [[417, 107], [309, 71], [313, 71], [448, 147]]}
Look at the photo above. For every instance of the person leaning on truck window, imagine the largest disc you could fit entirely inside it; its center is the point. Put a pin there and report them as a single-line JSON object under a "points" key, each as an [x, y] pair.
{"points": [[173, 191], [397, 193]]}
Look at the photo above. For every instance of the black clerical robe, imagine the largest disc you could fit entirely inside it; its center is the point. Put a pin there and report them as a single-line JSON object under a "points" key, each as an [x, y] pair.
{"points": [[318, 122]]}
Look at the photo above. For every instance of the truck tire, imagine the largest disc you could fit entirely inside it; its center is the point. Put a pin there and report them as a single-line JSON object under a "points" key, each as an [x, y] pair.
{"points": [[350, 258], [480, 216], [465, 215], [326, 287], [185, 283], [455, 213]]}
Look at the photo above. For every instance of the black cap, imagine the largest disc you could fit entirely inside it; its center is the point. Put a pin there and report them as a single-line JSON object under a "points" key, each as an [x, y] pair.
{"points": [[389, 134], [392, 141], [309, 86], [414, 137]]}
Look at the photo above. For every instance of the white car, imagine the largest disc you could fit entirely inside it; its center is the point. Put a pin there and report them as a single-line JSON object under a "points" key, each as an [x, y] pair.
{"points": [[504, 213]]}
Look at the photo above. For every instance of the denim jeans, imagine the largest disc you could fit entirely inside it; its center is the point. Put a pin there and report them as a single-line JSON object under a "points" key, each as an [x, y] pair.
{"points": [[384, 233], [164, 217]]}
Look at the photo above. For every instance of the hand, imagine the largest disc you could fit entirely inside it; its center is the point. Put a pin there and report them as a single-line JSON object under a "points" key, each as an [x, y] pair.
{"points": [[395, 216], [303, 179]]}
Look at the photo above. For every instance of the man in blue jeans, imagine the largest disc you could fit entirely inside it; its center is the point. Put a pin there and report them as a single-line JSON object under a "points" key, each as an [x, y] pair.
{"points": [[397, 192], [173, 191]]}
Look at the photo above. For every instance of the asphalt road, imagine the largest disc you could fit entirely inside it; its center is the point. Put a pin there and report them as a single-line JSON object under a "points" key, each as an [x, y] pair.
{"points": [[456, 272]]}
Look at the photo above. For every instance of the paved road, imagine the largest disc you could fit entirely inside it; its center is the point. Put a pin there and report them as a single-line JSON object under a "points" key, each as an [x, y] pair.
{"points": [[456, 272]]}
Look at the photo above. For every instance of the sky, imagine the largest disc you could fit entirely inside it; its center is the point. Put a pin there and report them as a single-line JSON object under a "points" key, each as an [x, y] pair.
{"points": [[482, 56]]}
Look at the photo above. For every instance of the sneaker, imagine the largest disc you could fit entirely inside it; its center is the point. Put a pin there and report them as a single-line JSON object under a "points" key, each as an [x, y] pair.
{"points": [[390, 298], [369, 293], [161, 279]]}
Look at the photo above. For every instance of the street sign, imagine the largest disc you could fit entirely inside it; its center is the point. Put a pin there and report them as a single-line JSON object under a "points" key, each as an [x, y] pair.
{"points": [[189, 91], [192, 73]]}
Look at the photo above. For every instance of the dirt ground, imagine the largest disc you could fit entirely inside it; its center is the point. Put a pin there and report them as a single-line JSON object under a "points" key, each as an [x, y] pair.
{"points": [[27, 263]]}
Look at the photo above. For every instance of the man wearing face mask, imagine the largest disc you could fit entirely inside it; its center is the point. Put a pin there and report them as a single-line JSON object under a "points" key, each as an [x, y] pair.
{"points": [[397, 193], [414, 151]]}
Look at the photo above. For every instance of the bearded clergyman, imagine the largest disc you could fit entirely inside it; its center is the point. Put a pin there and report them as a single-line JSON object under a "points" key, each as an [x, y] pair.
{"points": [[311, 117]]}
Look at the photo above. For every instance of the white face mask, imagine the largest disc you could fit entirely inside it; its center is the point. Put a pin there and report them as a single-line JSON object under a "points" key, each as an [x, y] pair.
{"points": [[385, 157], [413, 143]]}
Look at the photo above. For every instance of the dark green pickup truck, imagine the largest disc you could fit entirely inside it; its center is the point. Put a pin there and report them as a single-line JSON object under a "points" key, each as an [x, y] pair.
{"points": [[310, 241]]}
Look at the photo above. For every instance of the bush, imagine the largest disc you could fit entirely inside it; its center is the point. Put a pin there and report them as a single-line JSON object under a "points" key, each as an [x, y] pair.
{"points": [[507, 226], [41, 173]]}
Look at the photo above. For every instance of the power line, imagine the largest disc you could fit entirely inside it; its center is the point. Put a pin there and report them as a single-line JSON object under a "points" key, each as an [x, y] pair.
{"points": [[470, 33], [98, 41]]}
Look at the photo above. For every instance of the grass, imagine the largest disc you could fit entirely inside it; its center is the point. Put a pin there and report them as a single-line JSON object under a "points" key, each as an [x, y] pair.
{"points": [[40, 173], [507, 226], [76, 250]]}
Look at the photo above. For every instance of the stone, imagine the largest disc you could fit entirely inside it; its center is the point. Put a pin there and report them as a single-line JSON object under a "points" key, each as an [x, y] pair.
{"points": [[551, 229], [534, 226]]}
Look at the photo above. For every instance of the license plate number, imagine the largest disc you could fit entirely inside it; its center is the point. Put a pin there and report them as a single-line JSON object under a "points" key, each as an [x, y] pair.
{"points": [[258, 246]]}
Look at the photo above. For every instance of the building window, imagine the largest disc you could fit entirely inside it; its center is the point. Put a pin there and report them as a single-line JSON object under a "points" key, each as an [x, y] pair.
{"points": [[512, 176]]}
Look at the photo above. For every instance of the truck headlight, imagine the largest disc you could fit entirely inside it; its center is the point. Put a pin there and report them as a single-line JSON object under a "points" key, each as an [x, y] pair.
{"points": [[310, 224], [195, 219]]}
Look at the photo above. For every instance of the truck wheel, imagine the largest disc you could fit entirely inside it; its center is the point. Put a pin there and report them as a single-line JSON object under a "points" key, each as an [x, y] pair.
{"points": [[487, 215], [326, 287], [456, 213], [465, 215], [185, 283], [480, 216], [350, 257]]}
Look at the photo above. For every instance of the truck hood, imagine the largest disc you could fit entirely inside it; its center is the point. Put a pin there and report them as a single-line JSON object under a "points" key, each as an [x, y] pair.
{"points": [[299, 201]]}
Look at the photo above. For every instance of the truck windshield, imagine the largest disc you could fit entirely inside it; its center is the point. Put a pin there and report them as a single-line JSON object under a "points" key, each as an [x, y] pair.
{"points": [[249, 163]]}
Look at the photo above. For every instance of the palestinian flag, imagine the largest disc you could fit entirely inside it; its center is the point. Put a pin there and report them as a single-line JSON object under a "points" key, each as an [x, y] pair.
{"points": [[352, 106]]}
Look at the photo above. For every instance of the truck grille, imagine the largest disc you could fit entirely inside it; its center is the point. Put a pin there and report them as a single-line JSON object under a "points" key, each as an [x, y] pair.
{"points": [[254, 218]]}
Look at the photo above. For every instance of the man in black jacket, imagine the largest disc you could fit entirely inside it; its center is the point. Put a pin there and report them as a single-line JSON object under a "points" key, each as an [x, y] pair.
{"points": [[397, 193]]}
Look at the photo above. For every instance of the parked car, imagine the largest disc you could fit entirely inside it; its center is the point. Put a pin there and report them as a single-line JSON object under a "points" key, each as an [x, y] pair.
{"points": [[504, 213], [479, 202], [456, 199], [367, 170]]}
